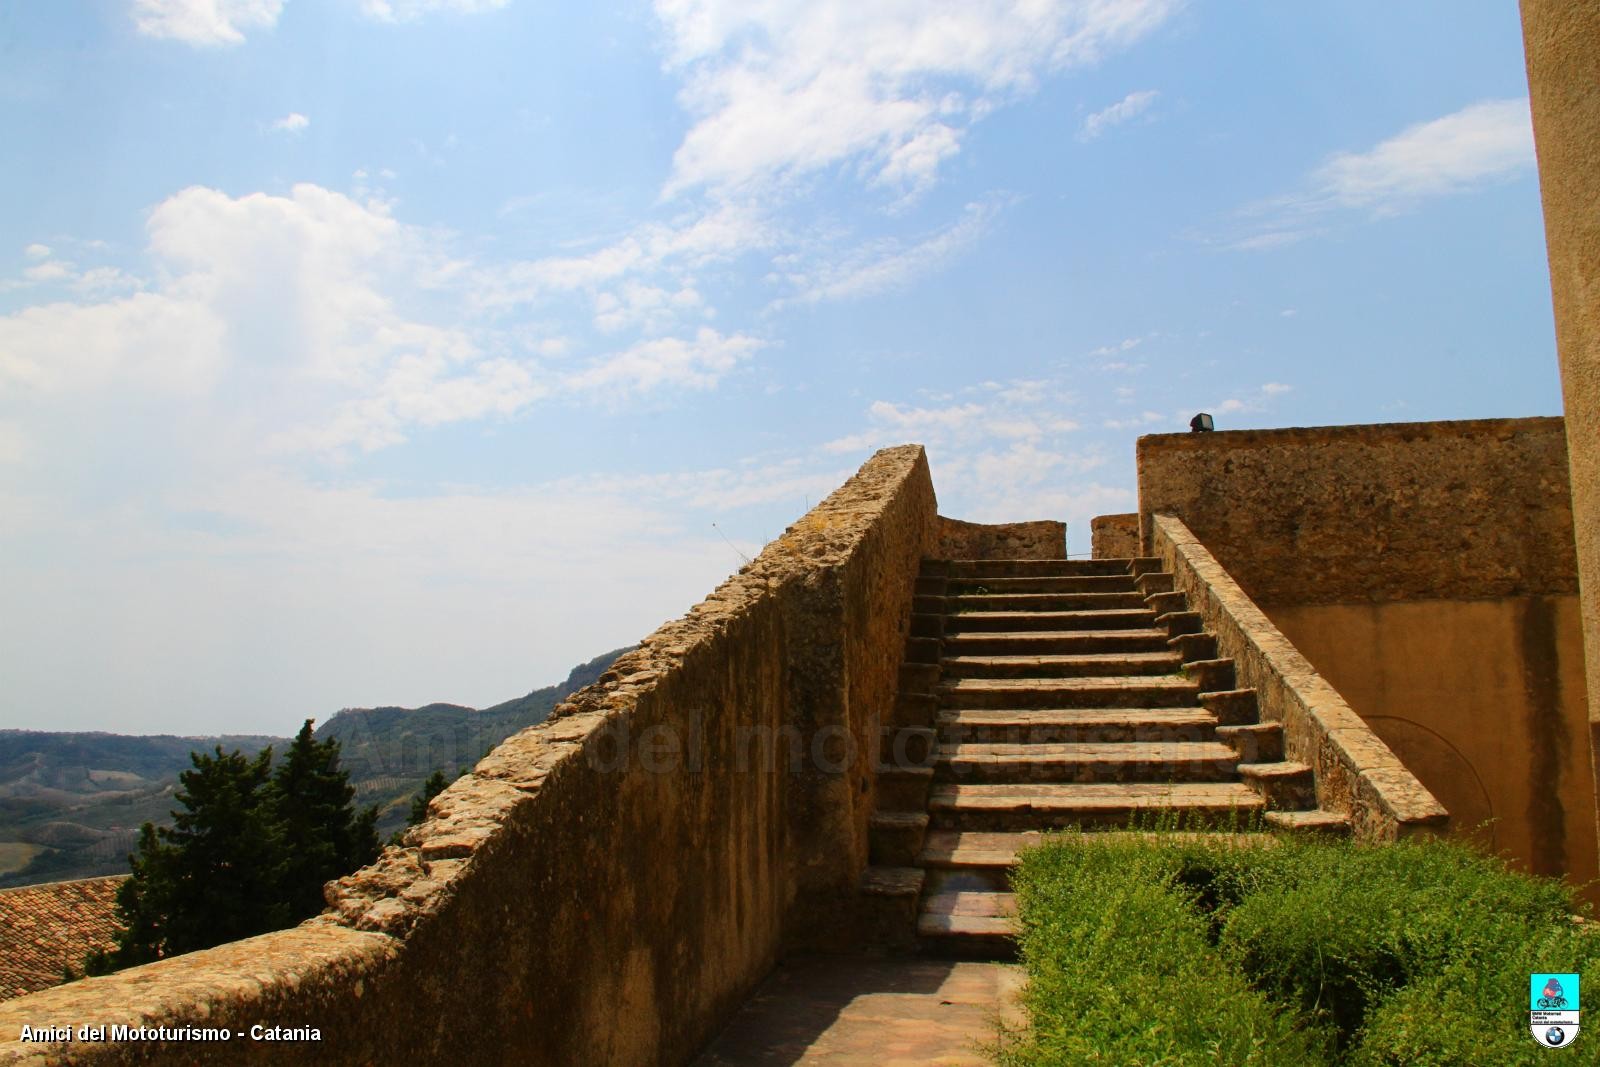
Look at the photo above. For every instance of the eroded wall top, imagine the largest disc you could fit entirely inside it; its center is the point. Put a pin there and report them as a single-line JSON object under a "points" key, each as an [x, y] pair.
{"points": [[1399, 511]]}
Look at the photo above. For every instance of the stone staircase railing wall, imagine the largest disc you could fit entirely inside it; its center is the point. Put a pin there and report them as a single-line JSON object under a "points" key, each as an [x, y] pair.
{"points": [[608, 886], [1356, 773]]}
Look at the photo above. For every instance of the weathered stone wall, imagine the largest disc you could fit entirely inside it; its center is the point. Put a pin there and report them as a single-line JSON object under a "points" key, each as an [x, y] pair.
{"points": [[1042, 539], [1404, 511], [1115, 536], [605, 887], [1562, 42], [1429, 572], [1483, 700], [1356, 773]]}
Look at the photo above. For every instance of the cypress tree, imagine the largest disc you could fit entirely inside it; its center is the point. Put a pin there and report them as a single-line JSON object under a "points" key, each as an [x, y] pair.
{"points": [[248, 852], [323, 835]]}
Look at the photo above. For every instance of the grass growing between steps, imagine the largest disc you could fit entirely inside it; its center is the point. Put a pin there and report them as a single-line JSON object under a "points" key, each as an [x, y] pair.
{"points": [[1182, 951]]}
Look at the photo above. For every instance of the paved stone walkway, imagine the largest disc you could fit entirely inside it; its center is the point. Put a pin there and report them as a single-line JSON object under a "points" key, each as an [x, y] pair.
{"points": [[878, 1012]]}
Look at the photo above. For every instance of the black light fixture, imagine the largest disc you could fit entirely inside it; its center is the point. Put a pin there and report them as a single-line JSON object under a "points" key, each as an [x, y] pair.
{"points": [[1201, 423]]}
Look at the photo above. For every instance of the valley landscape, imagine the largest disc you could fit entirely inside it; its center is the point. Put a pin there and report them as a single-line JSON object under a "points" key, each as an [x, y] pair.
{"points": [[71, 804]]}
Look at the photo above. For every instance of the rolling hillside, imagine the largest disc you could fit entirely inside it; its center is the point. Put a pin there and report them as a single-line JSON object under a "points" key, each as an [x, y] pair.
{"points": [[71, 803]]}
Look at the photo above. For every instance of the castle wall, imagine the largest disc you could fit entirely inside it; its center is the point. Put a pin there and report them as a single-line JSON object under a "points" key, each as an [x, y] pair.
{"points": [[1428, 572], [1115, 536], [1039, 539], [608, 886], [1351, 514], [1562, 42]]}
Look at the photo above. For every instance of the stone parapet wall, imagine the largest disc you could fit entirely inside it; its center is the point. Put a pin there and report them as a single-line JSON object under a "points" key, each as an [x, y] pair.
{"points": [[1040, 539], [1357, 775], [605, 887], [1403, 511], [1115, 536]]}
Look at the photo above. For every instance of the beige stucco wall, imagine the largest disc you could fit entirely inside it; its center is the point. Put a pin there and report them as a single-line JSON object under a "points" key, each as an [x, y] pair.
{"points": [[1483, 700], [1562, 42]]}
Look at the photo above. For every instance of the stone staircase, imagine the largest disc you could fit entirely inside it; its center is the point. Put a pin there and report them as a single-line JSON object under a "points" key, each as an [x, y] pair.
{"points": [[1045, 694]]}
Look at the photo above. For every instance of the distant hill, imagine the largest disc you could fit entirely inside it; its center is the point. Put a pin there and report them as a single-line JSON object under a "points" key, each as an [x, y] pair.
{"points": [[71, 803], [391, 751]]}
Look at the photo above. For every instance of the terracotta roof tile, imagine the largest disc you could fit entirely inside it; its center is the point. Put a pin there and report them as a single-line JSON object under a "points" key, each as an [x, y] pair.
{"points": [[44, 928]]}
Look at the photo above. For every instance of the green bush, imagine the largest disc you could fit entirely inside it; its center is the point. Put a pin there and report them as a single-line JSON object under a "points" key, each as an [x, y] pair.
{"points": [[1176, 950], [1121, 971]]}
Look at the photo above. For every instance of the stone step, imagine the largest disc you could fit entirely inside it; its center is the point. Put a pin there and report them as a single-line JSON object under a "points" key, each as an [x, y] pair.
{"points": [[1052, 621], [1118, 691], [894, 838], [1126, 761], [1060, 666], [1237, 707], [1260, 742], [1045, 806], [1032, 725], [986, 854], [1042, 602], [1161, 603], [970, 922], [975, 849], [1152, 582], [1286, 785], [1027, 568], [1211, 675], [1314, 820], [890, 898], [1189, 646], [903, 788], [1059, 642], [1085, 583], [1178, 623]]}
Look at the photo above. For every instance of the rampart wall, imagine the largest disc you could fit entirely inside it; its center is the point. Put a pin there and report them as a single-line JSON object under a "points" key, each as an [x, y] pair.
{"points": [[1399, 511], [608, 886], [1040, 539], [1114, 536], [1428, 572]]}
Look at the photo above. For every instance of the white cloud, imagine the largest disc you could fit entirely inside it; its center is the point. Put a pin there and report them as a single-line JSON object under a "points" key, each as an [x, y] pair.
{"points": [[147, 340], [693, 240], [37, 251], [1130, 106], [406, 10], [373, 598], [1250, 402], [292, 123], [1142, 420], [211, 23], [1017, 411], [825, 274], [1480, 145], [699, 362], [205, 23], [783, 88], [1483, 143]]}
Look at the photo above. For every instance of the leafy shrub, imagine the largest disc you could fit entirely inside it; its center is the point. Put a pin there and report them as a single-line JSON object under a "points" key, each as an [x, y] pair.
{"points": [[1169, 949]]}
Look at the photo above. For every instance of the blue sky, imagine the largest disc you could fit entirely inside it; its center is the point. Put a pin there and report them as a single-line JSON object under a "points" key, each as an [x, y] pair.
{"points": [[389, 351]]}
